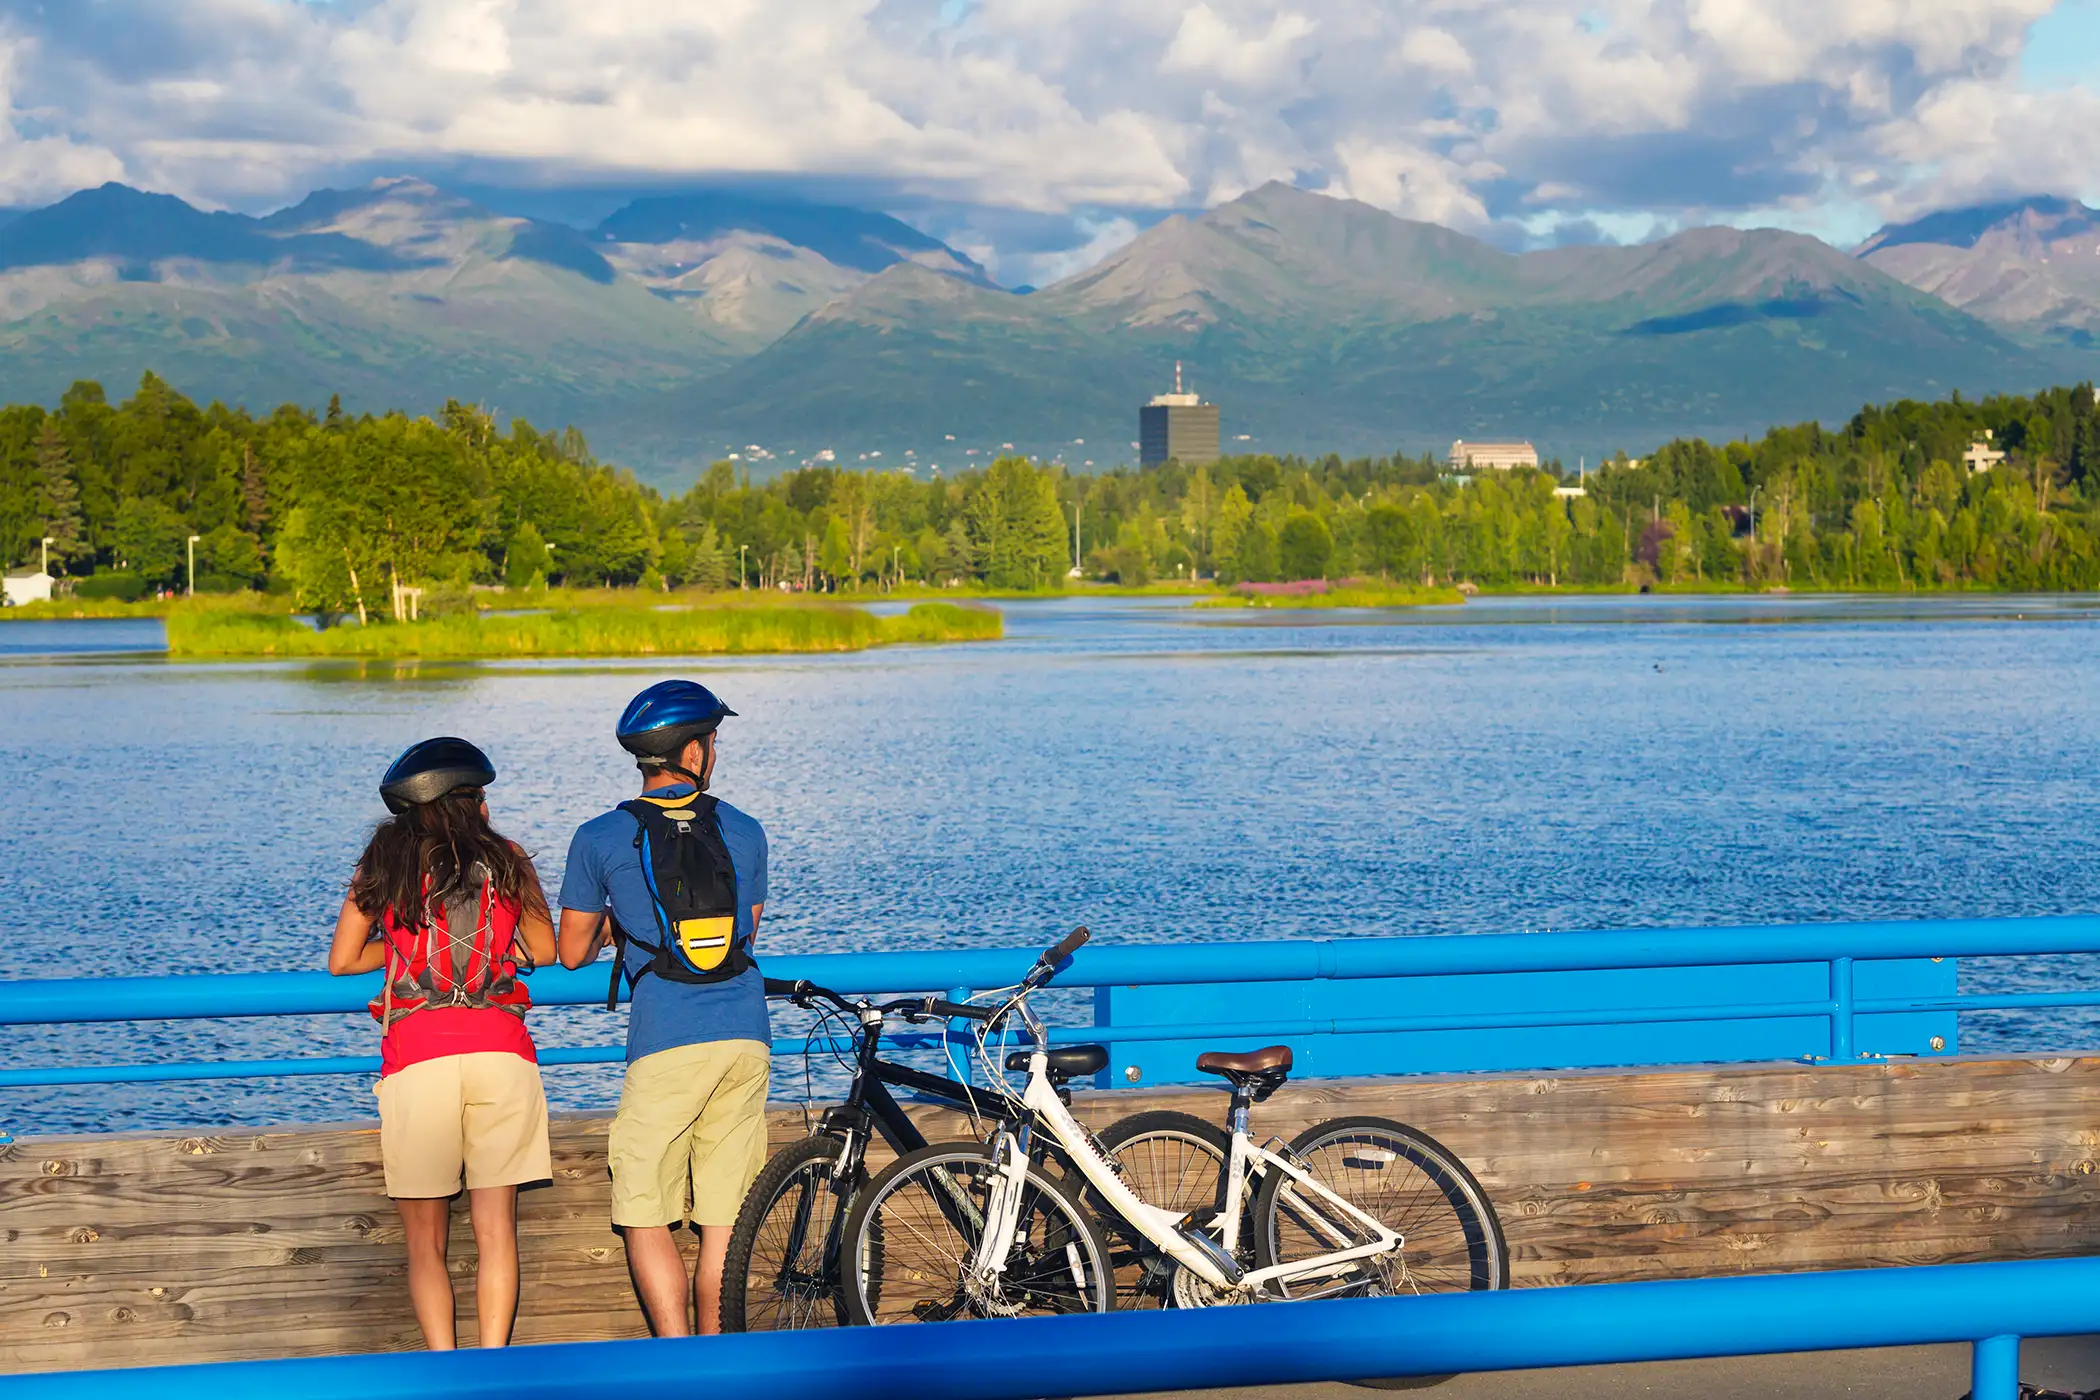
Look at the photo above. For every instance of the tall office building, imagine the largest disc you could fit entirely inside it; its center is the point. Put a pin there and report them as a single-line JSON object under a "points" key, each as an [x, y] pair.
{"points": [[1177, 427]]}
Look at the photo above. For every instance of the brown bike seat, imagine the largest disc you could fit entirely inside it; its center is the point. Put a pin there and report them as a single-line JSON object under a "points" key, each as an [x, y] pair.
{"points": [[1270, 1059]]}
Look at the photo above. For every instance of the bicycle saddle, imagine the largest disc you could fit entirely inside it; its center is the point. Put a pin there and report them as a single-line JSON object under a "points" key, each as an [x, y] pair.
{"points": [[1270, 1059], [1066, 1061]]}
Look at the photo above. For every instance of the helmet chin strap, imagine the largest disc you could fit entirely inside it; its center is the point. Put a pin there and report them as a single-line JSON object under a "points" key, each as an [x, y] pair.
{"points": [[707, 744]]}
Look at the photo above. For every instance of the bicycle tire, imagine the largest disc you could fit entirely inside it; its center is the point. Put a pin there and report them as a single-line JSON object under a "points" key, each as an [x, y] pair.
{"points": [[1452, 1239], [772, 1281], [1172, 1160], [905, 1247]]}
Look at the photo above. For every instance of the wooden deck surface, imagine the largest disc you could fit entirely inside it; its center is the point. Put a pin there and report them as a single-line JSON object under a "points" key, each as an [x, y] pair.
{"points": [[137, 1251]]}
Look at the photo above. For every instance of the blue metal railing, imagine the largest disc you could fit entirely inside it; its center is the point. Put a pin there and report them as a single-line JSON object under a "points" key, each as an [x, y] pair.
{"points": [[1990, 1306], [1839, 945]]}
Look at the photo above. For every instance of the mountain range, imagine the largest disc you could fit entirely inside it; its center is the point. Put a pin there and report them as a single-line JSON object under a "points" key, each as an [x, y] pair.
{"points": [[682, 327]]}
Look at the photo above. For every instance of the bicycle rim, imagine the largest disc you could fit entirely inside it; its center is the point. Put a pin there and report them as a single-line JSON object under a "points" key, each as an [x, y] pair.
{"points": [[916, 1228], [1408, 1182], [1171, 1160]]}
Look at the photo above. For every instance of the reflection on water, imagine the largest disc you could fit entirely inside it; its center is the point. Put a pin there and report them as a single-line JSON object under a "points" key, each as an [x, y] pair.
{"points": [[1510, 764]]}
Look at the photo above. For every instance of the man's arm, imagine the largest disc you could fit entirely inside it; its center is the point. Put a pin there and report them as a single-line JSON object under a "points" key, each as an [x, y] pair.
{"points": [[582, 935]]}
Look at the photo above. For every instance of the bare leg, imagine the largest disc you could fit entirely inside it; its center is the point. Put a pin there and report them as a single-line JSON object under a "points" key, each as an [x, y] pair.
{"points": [[426, 1221], [659, 1278], [495, 1214], [707, 1278]]}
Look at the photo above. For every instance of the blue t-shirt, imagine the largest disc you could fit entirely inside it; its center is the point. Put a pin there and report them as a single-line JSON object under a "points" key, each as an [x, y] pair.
{"points": [[605, 869]]}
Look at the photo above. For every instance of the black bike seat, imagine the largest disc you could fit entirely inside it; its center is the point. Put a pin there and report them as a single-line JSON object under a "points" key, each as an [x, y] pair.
{"points": [[1066, 1061]]}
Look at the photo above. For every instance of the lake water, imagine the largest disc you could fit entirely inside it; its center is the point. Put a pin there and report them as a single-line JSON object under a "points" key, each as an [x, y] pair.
{"points": [[1156, 772]]}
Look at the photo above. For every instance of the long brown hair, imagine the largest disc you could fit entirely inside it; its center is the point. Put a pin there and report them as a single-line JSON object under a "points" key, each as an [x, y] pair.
{"points": [[443, 840]]}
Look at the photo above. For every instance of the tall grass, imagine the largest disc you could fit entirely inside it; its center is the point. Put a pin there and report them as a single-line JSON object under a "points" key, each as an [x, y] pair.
{"points": [[1348, 595], [592, 632]]}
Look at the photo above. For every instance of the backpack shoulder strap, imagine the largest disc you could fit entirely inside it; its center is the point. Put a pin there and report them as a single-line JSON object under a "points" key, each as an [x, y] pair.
{"points": [[619, 961]]}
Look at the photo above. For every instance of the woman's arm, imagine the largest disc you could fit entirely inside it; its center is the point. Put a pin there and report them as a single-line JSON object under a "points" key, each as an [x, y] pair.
{"points": [[354, 950], [758, 911], [535, 925]]}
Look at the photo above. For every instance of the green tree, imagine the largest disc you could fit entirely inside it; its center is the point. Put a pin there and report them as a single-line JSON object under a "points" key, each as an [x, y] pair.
{"points": [[1304, 547], [835, 555], [1254, 561], [1229, 524], [1015, 527], [527, 557], [58, 498], [151, 541]]}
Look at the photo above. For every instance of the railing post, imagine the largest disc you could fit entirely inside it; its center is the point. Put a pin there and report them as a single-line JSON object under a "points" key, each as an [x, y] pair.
{"points": [[961, 1041], [1994, 1371], [1841, 1051]]}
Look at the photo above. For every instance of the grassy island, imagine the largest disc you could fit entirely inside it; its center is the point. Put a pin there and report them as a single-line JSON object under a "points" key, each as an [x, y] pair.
{"points": [[669, 631], [1352, 593]]}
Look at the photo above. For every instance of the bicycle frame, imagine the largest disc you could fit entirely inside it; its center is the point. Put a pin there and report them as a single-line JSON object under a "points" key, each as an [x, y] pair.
{"points": [[1214, 1264]]}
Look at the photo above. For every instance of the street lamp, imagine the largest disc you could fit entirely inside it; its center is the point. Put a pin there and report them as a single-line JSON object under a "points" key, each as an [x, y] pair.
{"points": [[47, 542], [193, 565]]}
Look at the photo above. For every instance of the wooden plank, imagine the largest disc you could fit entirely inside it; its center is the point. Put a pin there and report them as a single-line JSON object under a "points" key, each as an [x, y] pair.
{"points": [[136, 1251]]}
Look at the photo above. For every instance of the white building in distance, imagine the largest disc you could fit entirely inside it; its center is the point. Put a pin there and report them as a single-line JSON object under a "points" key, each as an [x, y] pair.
{"points": [[26, 586], [1499, 456]]}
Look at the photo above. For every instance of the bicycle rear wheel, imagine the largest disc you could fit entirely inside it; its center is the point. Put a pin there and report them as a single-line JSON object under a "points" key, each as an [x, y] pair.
{"points": [[782, 1270], [1402, 1178], [1175, 1161], [912, 1232]]}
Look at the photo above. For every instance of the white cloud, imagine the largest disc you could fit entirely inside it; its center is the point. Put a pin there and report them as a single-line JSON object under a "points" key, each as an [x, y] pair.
{"points": [[1466, 111]]}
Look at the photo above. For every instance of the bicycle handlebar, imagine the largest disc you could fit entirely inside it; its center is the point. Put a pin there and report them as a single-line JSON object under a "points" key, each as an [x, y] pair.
{"points": [[803, 992]]}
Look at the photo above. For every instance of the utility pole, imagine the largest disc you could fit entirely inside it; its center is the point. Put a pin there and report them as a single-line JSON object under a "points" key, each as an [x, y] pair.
{"points": [[740, 580], [48, 541], [193, 565], [1079, 506]]}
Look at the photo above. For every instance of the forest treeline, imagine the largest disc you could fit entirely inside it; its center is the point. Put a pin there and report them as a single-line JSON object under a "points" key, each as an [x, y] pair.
{"points": [[336, 509]]}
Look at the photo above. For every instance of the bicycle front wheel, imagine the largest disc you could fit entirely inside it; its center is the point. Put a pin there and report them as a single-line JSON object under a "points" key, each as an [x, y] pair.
{"points": [[782, 1271], [914, 1231], [1404, 1179]]}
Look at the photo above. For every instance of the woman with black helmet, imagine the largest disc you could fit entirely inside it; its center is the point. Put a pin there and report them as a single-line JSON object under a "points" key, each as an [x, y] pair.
{"points": [[454, 913]]}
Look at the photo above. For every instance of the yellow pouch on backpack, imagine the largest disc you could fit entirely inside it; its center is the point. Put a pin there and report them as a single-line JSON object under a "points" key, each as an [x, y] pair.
{"points": [[706, 941]]}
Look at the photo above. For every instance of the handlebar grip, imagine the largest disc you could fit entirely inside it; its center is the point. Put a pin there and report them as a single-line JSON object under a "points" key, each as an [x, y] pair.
{"points": [[783, 987], [943, 1007], [1066, 946]]}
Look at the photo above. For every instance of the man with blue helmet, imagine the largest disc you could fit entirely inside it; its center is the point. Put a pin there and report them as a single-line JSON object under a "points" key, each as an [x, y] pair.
{"points": [[675, 880]]}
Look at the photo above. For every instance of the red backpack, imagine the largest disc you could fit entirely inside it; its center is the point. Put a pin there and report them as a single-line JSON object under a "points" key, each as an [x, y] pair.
{"points": [[428, 964]]}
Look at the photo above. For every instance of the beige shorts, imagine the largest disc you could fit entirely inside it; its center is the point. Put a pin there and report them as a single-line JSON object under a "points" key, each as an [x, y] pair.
{"points": [[478, 1119], [692, 1119]]}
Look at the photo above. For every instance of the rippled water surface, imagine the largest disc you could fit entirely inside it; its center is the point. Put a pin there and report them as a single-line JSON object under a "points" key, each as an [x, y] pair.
{"points": [[1157, 772]]}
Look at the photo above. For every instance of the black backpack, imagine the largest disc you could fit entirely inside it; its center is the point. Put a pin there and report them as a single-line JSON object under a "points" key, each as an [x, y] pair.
{"points": [[692, 885]]}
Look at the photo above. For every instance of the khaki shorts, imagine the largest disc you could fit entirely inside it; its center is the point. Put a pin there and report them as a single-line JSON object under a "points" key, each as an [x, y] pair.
{"points": [[692, 1119], [479, 1118]]}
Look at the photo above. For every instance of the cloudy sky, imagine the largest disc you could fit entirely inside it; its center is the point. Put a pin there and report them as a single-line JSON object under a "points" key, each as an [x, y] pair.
{"points": [[1040, 133]]}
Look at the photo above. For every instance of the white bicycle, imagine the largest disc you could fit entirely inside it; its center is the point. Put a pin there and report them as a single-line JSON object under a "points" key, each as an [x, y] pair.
{"points": [[1352, 1207]]}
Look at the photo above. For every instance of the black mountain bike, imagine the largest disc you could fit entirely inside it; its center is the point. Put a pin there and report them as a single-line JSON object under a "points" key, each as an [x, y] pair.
{"points": [[782, 1271]]}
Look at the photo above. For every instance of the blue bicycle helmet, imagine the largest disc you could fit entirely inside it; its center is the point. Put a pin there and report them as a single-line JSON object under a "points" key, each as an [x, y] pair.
{"points": [[427, 771], [663, 719]]}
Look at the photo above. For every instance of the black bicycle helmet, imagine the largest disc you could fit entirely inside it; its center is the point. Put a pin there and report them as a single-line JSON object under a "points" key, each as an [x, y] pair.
{"points": [[427, 771], [662, 720]]}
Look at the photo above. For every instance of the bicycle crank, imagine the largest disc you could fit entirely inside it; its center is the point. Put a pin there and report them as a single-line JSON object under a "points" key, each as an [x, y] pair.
{"points": [[1191, 1290]]}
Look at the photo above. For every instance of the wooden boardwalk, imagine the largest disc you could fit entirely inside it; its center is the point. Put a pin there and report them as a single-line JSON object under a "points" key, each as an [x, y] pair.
{"points": [[136, 1251], [1890, 1373]]}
